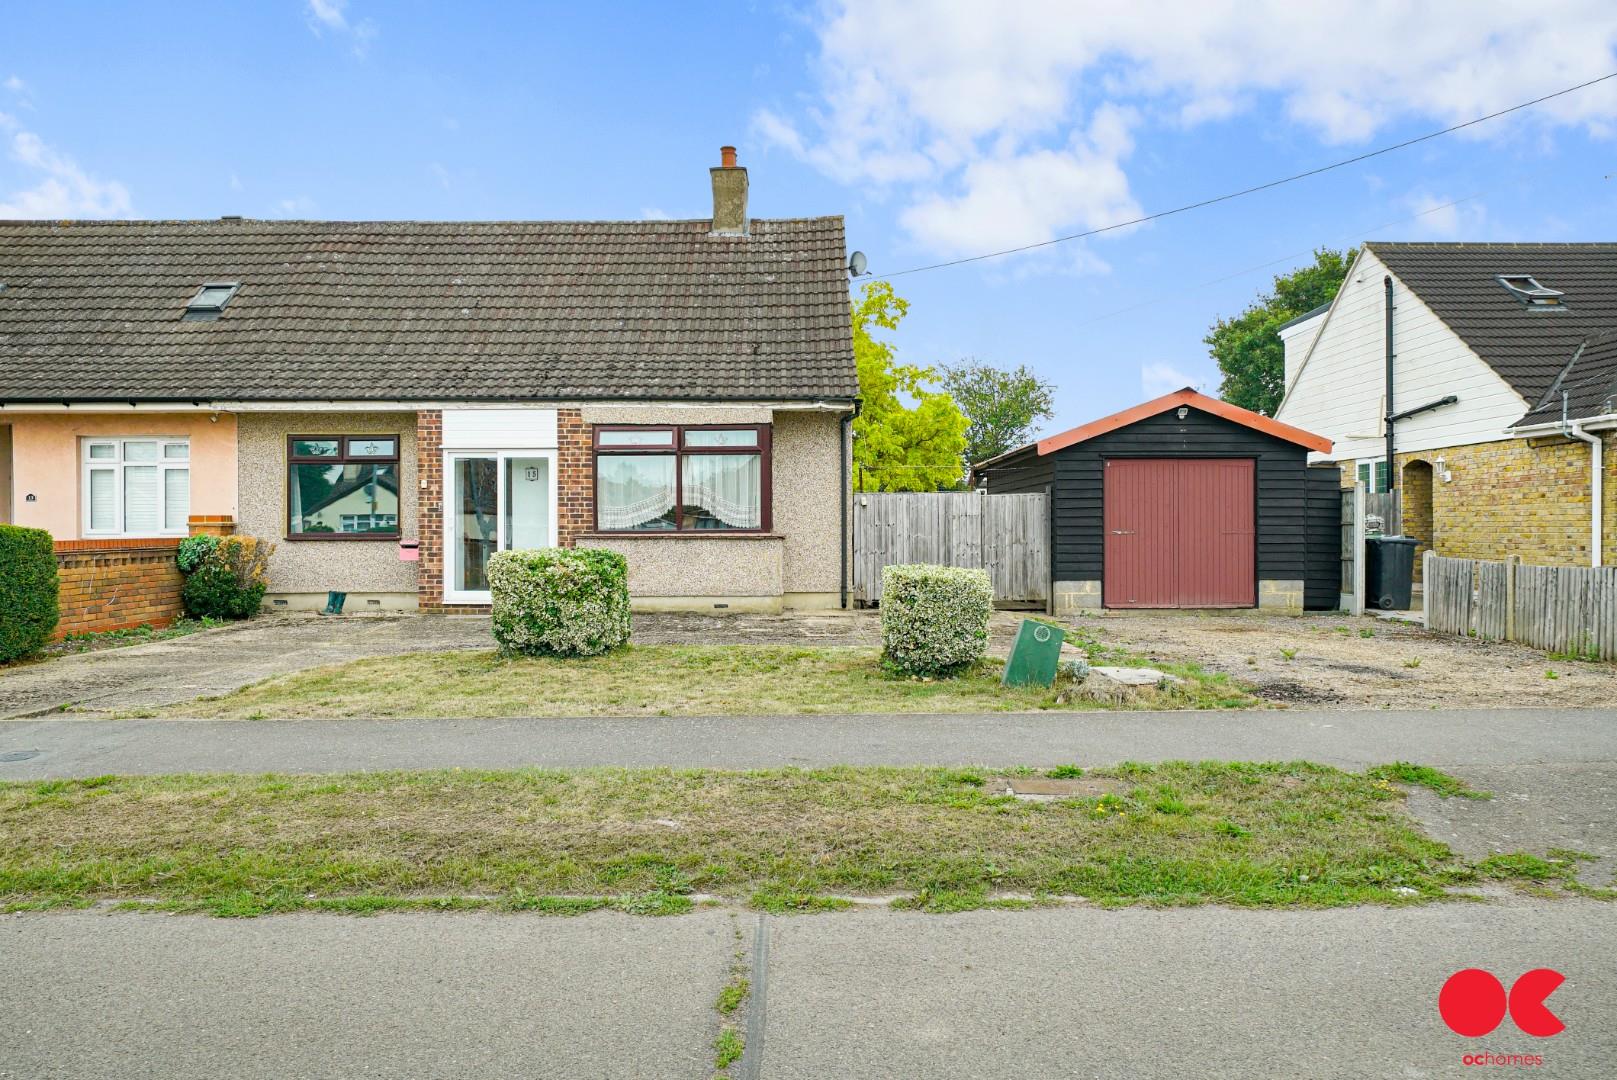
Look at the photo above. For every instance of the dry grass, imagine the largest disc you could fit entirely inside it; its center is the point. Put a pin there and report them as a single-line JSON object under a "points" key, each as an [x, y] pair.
{"points": [[1266, 835], [671, 680]]}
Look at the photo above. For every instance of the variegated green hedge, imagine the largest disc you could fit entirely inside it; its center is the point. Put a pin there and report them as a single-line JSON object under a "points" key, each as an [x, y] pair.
{"points": [[934, 619], [560, 601]]}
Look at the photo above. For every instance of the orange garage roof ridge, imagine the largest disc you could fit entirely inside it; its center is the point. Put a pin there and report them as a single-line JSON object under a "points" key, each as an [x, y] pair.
{"points": [[1187, 396]]}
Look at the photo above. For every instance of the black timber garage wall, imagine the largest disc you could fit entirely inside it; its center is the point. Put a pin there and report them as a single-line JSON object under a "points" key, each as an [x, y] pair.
{"points": [[1076, 488], [1322, 585]]}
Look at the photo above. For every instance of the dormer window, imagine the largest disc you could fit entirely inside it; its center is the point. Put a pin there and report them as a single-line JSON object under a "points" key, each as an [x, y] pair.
{"points": [[1531, 293], [210, 300]]}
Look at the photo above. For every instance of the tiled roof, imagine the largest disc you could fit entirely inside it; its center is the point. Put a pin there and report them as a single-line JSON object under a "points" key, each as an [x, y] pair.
{"points": [[1527, 347], [1589, 381], [529, 310]]}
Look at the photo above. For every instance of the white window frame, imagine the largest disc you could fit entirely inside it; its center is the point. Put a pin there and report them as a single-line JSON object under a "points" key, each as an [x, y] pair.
{"points": [[116, 465], [484, 596], [1370, 484]]}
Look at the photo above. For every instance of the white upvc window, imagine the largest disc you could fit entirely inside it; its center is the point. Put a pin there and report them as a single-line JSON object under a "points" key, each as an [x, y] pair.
{"points": [[135, 486]]}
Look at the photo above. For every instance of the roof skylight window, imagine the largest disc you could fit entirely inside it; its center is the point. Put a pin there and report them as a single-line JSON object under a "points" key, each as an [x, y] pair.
{"points": [[210, 300], [1530, 292]]}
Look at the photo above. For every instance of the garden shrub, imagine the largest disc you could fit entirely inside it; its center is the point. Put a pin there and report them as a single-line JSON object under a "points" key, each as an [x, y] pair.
{"points": [[934, 619], [28, 585], [559, 601], [194, 549], [228, 581]]}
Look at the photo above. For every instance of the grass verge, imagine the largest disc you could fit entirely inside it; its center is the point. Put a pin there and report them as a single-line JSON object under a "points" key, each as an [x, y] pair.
{"points": [[645, 840], [668, 680], [1439, 782]]}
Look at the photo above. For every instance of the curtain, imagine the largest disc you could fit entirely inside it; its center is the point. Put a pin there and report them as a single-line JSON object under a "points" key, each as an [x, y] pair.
{"points": [[634, 490], [726, 487]]}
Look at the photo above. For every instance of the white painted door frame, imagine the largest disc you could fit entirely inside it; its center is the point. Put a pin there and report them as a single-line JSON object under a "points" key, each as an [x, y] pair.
{"points": [[501, 457]]}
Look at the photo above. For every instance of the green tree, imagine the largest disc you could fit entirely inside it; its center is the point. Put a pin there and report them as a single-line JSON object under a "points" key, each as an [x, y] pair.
{"points": [[1001, 406], [912, 442], [1248, 347]]}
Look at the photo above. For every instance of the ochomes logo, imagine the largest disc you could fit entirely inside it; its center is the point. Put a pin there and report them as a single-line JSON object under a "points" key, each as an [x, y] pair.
{"points": [[1473, 1002]]}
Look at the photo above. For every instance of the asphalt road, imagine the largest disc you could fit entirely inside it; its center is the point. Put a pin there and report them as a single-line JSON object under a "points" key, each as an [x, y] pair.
{"points": [[1350, 739], [1075, 992]]}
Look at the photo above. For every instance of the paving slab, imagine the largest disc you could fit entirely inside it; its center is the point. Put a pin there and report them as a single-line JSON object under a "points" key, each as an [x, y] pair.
{"points": [[1200, 992], [132, 995]]}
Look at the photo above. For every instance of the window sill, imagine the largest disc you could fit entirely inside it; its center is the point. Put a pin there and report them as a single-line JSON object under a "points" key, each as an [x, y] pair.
{"points": [[687, 534]]}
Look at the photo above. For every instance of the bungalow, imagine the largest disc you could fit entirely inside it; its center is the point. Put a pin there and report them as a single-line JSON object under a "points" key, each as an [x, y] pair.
{"points": [[1478, 381], [392, 402]]}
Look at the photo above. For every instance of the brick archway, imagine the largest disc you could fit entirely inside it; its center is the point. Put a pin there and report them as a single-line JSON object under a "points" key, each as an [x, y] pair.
{"points": [[1415, 508]]}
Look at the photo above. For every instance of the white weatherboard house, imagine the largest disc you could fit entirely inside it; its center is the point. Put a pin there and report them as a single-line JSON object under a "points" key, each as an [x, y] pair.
{"points": [[1486, 374]]}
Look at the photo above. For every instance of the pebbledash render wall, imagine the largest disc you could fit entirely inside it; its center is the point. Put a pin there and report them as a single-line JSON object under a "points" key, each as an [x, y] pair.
{"points": [[797, 565], [301, 572], [1524, 497]]}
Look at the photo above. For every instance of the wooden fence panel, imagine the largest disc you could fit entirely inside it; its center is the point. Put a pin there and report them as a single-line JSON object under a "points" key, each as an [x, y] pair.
{"points": [[1007, 535], [1492, 590], [1384, 506], [1561, 609]]}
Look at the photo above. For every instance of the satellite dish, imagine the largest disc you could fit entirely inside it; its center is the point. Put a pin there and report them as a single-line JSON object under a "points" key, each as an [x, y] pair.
{"points": [[856, 264]]}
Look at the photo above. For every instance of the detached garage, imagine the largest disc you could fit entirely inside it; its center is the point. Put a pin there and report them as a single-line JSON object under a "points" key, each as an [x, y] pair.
{"points": [[1183, 502]]}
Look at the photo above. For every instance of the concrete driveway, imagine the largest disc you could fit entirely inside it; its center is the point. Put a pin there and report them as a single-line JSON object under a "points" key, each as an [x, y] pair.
{"points": [[215, 661], [223, 659]]}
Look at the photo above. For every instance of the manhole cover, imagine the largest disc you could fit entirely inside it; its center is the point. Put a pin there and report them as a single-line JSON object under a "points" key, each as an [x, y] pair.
{"points": [[19, 755]]}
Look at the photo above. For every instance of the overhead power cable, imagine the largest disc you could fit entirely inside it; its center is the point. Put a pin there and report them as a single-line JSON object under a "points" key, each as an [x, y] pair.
{"points": [[1254, 189]]}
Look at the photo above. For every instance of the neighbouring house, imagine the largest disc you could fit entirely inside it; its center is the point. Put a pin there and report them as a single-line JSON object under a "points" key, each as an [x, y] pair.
{"points": [[1183, 502], [1486, 375], [392, 402]]}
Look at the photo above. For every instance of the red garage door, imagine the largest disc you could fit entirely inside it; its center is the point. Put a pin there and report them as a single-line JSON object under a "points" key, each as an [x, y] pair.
{"points": [[1179, 533]]}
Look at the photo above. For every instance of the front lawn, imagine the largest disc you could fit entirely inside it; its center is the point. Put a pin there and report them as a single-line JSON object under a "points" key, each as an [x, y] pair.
{"points": [[1267, 835], [668, 680]]}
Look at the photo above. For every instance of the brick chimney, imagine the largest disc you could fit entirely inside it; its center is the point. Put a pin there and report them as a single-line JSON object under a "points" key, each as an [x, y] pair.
{"points": [[729, 195]]}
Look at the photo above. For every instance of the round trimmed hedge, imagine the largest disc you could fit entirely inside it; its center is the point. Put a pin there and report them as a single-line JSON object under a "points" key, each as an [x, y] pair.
{"points": [[28, 591], [559, 601], [934, 619]]}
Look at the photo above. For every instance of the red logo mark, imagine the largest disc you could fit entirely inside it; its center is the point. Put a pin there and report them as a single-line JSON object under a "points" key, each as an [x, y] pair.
{"points": [[1473, 1002]]}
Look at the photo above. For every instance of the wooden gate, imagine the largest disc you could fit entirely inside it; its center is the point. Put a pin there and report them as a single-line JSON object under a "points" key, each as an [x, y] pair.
{"points": [[1007, 535]]}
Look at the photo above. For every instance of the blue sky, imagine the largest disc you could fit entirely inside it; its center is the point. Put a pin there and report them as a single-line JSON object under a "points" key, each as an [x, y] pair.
{"points": [[939, 129]]}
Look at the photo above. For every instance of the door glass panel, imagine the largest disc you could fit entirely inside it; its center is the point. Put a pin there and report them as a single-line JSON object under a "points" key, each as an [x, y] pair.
{"points": [[527, 502], [474, 503]]}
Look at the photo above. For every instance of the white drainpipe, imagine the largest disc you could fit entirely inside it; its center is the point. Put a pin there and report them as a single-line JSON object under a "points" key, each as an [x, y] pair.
{"points": [[1596, 486]]}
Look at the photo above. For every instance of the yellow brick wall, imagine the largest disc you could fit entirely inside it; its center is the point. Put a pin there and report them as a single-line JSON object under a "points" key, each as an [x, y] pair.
{"points": [[1519, 497]]}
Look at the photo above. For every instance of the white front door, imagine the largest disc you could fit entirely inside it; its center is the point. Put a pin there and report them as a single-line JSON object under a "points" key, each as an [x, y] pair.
{"points": [[494, 500]]}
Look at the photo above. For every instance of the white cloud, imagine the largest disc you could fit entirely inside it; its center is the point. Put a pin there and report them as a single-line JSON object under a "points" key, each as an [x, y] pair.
{"points": [[298, 206], [15, 84], [1013, 199], [64, 190], [1004, 120], [655, 213], [1159, 378], [1442, 217], [332, 15]]}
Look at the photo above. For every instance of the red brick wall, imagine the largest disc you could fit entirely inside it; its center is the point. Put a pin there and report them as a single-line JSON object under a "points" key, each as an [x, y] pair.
{"points": [[113, 584], [575, 492], [575, 477]]}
